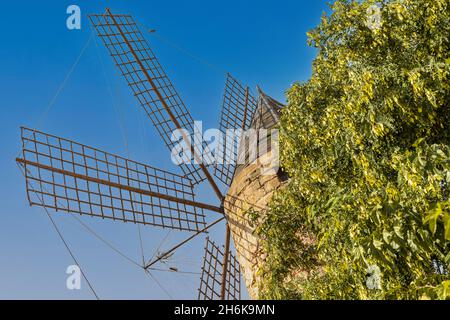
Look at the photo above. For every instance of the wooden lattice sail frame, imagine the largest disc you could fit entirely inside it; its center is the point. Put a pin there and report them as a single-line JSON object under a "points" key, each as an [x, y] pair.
{"points": [[211, 278], [68, 176]]}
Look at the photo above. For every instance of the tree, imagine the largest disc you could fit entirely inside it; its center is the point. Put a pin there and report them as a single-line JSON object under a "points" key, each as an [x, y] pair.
{"points": [[366, 142]]}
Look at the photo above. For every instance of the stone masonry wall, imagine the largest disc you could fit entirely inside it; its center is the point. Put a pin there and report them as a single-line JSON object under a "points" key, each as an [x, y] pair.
{"points": [[251, 189]]}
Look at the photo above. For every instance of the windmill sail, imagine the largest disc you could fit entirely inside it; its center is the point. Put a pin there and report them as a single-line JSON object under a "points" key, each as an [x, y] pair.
{"points": [[150, 85], [237, 112], [211, 278], [67, 176]]}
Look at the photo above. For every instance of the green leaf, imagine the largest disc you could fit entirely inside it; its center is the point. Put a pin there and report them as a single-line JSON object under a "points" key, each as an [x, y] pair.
{"points": [[447, 226], [377, 244], [432, 218], [445, 290]]}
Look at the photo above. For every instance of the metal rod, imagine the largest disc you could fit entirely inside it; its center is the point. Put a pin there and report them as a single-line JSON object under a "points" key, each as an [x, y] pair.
{"points": [[165, 254], [166, 107], [124, 187], [225, 263]]}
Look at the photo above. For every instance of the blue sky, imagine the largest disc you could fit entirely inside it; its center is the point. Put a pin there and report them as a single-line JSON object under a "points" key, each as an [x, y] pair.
{"points": [[259, 42]]}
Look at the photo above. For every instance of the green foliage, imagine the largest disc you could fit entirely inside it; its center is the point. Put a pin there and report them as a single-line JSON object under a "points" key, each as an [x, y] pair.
{"points": [[366, 142]]}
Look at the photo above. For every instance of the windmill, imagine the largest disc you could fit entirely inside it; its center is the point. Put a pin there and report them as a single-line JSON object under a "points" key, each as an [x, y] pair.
{"points": [[64, 175]]}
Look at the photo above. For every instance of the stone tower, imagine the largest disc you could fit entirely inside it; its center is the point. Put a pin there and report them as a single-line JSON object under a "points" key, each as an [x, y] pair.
{"points": [[254, 183]]}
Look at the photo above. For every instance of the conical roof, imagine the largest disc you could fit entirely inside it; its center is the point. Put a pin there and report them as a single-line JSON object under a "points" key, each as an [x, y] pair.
{"points": [[267, 113], [266, 116]]}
